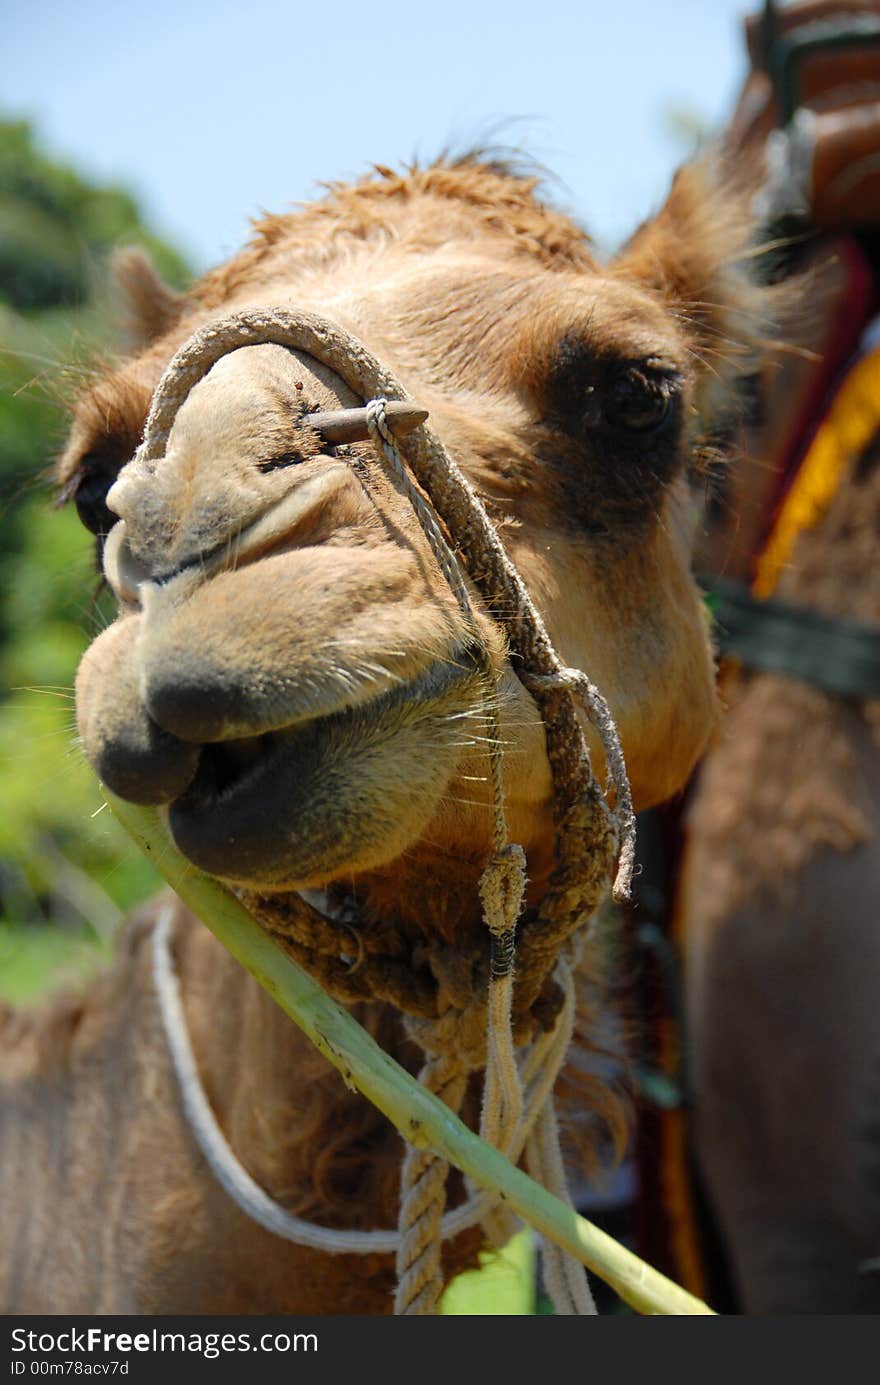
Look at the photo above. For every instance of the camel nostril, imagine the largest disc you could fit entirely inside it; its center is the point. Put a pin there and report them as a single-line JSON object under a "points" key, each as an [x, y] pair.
{"points": [[122, 570]]}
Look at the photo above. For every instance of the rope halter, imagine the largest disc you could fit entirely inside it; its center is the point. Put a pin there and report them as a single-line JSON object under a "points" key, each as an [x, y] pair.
{"points": [[478, 1022]]}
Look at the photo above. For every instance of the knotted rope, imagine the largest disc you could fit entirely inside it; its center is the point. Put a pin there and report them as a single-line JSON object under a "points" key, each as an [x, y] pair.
{"points": [[464, 1017]]}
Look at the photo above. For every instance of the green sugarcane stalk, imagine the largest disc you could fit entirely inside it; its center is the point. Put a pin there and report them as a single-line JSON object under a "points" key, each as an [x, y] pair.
{"points": [[421, 1117]]}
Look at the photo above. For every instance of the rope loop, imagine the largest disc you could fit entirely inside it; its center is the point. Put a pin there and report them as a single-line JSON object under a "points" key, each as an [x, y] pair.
{"points": [[575, 681]]}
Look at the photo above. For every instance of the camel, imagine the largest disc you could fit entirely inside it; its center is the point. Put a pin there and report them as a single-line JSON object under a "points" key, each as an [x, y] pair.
{"points": [[777, 906], [290, 681], [777, 900]]}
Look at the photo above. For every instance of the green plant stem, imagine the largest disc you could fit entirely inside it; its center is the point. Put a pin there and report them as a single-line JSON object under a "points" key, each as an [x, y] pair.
{"points": [[419, 1116]]}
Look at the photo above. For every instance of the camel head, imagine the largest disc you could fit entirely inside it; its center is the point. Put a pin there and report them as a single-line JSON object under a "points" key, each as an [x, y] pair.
{"points": [[289, 676]]}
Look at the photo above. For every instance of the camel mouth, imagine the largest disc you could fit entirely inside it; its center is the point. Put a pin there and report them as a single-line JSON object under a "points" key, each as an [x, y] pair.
{"points": [[301, 805], [224, 765]]}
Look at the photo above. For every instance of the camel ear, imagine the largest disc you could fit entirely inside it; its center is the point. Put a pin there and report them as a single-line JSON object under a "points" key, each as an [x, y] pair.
{"points": [[699, 254], [150, 307]]}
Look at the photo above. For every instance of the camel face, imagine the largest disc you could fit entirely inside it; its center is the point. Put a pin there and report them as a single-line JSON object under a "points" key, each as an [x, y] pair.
{"points": [[290, 676]]}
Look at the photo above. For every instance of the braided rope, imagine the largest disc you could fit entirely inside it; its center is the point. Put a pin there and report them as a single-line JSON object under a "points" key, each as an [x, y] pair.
{"points": [[588, 834], [423, 1178], [423, 1198], [565, 1279]]}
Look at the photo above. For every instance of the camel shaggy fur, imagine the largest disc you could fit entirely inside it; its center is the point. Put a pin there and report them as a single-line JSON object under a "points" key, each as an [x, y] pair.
{"points": [[290, 679], [778, 917], [778, 889]]}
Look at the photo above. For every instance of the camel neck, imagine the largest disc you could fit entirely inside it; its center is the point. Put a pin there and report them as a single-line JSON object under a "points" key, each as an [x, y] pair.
{"points": [[308, 1141]]}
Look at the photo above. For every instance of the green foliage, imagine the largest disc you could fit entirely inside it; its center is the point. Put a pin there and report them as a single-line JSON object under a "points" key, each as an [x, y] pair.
{"points": [[57, 232], [34, 960], [66, 870], [503, 1286], [56, 228]]}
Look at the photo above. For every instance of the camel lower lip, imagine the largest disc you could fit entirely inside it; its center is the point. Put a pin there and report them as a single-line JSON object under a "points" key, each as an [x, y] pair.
{"points": [[230, 825], [264, 811]]}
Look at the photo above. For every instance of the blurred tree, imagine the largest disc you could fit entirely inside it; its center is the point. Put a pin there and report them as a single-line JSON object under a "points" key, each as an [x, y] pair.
{"points": [[56, 228], [59, 864], [56, 233]]}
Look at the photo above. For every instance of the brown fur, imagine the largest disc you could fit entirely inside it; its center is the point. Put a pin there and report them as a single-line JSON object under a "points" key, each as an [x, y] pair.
{"points": [[788, 779], [334, 638]]}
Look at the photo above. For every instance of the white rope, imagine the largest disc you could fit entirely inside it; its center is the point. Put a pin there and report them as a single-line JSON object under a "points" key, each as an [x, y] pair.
{"points": [[541, 1064], [230, 1174], [565, 1278]]}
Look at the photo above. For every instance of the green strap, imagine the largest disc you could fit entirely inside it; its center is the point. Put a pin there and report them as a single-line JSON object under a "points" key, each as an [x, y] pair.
{"points": [[839, 656]]}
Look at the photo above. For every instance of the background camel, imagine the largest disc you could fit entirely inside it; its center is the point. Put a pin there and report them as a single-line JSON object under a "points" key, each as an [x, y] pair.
{"points": [[289, 677], [781, 875]]}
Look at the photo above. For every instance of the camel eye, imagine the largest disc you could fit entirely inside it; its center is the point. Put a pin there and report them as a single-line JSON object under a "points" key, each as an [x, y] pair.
{"points": [[637, 400], [90, 499]]}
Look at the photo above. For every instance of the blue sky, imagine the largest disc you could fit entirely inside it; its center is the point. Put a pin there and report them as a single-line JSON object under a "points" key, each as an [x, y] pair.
{"points": [[211, 111]]}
